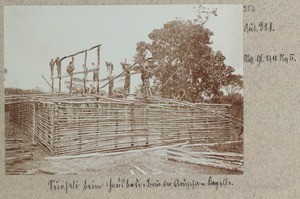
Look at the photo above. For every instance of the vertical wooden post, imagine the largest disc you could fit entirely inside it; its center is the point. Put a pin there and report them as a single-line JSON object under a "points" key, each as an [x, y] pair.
{"points": [[71, 82], [98, 65], [117, 125], [85, 72], [52, 63], [59, 89], [58, 64], [132, 119], [146, 118], [126, 121], [33, 122], [98, 123], [52, 85], [56, 116], [71, 77]]}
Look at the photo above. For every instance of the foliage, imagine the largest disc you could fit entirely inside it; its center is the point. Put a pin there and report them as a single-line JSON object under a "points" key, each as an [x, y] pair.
{"points": [[184, 65], [19, 91]]}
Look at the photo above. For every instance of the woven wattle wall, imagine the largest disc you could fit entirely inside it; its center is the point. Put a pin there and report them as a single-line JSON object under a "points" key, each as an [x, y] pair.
{"points": [[70, 127]]}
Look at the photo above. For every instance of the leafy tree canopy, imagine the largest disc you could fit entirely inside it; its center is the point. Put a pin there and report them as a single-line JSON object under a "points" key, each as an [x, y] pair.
{"points": [[184, 66]]}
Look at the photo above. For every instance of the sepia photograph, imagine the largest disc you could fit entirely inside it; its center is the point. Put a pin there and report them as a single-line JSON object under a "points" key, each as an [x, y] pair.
{"points": [[124, 89]]}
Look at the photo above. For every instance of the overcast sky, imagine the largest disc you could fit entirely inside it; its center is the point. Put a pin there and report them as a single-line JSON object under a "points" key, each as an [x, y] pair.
{"points": [[35, 34]]}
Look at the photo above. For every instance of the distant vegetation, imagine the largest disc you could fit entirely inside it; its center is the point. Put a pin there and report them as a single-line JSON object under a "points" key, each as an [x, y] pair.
{"points": [[19, 91]]}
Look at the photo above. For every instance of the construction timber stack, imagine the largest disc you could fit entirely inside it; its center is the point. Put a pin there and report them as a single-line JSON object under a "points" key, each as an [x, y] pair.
{"points": [[69, 125]]}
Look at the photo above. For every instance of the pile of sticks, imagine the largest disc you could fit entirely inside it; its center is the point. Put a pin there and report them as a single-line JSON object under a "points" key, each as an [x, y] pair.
{"points": [[72, 125], [16, 152], [221, 160]]}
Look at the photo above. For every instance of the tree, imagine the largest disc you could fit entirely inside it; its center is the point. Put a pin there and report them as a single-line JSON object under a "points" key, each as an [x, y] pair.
{"points": [[235, 85], [184, 65], [234, 92], [20, 91]]}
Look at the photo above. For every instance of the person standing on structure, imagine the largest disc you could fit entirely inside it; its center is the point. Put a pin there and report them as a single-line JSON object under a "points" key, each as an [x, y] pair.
{"points": [[145, 76], [126, 69], [70, 69], [96, 72], [110, 68], [51, 64], [58, 67]]}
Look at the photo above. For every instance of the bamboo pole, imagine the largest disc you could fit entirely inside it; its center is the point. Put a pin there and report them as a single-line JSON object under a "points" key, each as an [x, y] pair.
{"points": [[80, 52], [52, 85], [71, 84], [33, 122], [85, 74], [98, 66], [59, 85], [46, 81]]}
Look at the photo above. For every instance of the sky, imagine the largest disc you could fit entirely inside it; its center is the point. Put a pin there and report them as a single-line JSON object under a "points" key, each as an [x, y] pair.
{"points": [[35, 34]]}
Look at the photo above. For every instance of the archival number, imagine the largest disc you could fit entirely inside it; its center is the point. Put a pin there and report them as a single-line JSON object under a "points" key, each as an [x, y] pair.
{"points": [[249, 8], [259, 27]]}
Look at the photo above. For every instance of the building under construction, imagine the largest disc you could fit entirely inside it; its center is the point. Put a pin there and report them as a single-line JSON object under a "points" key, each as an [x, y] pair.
{"points": [[70, 124]]}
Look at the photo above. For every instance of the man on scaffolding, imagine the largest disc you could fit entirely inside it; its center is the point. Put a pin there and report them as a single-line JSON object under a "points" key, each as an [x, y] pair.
{"points": [[51, 64], [145, 76], [95, 77], [58, 67], [126, 69], [70, 68]]}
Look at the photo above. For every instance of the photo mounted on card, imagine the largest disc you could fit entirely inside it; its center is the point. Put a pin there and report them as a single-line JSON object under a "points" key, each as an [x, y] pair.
{"points": [[140, 90]]}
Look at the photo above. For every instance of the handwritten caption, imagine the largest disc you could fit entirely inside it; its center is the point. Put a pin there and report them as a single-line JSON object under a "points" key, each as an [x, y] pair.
{"points": [[269, 58], [112, 184]]}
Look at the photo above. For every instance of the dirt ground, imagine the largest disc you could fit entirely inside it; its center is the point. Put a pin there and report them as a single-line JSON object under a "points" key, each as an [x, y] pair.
{"points": [[142, 162]]}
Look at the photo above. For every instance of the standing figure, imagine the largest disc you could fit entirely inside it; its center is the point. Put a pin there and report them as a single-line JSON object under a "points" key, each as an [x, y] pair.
{"points": [[96, 72], [58, 67], [110, 68], [126, 69], [51, 64], [70, 69], [85, 73], [145, 76]]}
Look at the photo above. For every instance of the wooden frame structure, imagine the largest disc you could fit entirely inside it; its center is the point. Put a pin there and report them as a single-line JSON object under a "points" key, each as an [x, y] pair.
{"points": [[85, 71], [65, 124]]}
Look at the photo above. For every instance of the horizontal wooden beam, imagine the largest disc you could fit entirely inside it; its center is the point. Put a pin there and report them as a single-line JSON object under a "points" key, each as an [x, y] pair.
{"points": [[72, 55]]}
